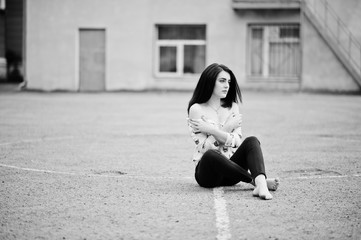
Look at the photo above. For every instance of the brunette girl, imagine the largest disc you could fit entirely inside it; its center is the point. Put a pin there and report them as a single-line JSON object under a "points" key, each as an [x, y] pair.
{"points": [[221, 157]]}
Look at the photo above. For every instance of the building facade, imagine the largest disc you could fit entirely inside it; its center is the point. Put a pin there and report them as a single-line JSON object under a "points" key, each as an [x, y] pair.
{"points": [[111, 45]]}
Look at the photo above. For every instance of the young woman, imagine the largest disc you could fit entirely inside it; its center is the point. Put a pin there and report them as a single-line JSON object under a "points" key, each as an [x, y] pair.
{"points": [[221, 157]]}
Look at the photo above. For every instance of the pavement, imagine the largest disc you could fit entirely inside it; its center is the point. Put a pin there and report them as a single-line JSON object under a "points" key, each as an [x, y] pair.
{"points": [[118, 166]]}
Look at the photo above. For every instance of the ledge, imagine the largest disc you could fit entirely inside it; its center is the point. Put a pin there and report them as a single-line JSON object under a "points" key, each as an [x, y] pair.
{"points": [[265, 4]]}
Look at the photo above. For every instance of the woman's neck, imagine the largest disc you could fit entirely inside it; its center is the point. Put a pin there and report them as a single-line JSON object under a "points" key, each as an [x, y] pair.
{"points": [[214, 102]]}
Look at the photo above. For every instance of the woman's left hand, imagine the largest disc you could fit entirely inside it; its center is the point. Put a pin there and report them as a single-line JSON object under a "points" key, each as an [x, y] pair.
{"points": [[201, 125], [233, 121]]}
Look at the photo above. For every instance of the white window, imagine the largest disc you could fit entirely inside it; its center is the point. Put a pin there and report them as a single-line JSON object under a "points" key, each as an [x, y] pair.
{"points": [[274, 51], [180, 50]]}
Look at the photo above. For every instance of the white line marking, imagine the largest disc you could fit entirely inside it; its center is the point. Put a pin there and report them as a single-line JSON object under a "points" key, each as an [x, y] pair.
{"points": [[35, 140], [156, 177], [36, 170], [222, 220], [93, 174], [321, 177]]}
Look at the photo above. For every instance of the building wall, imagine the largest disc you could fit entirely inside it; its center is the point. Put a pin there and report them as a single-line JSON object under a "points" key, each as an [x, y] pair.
{"points": [[350, 13], [52, 40], [246, 17], [322, 70]]}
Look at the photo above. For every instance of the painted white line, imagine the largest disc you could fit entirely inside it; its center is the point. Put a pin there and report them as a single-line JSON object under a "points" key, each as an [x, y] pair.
{"points": [[36, 140], [321, 177], [93, 174], [36, 170], [156, 177], [222, 219]]}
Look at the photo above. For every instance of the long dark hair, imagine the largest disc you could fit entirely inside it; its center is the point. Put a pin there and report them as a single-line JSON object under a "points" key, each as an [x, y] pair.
{"points": [[204, 89]]}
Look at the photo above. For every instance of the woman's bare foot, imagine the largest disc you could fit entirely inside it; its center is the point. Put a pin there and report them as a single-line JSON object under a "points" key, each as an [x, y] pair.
{"points": [[261, 189], [272, 183]]}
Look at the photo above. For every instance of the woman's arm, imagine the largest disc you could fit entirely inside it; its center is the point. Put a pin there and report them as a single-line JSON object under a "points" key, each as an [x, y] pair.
{"points": [[234, 120], [198, 123], [233, 126]]}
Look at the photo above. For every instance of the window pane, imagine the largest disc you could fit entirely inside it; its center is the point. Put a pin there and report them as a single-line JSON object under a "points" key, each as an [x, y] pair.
{"points": [[194, 58], [185, 32], [284, 59], [289, 32], [168, 59], [256, 51]]}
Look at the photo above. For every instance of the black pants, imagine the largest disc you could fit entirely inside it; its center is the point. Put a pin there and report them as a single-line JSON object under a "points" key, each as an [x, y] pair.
{"points": [[214, 169]]}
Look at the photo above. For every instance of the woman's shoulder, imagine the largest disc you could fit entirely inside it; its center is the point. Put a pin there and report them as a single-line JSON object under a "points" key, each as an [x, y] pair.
{"points": [[197, 107], [234, 107], [196, 110]]}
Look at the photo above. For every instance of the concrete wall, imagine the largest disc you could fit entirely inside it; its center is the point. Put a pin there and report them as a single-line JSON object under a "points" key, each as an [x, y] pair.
{"points": [[52, 43], [52, 39], [322, 70], [350, 13], [221, 36], [246, 17]]}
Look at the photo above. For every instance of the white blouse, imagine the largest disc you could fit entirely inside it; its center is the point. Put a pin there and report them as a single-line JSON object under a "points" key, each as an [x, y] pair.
{"points": [[205, 142]]}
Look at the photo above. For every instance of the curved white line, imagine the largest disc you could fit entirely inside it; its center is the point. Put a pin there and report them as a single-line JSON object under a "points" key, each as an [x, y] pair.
{"points": [[35, 140], [156, 177], [91, 174]]}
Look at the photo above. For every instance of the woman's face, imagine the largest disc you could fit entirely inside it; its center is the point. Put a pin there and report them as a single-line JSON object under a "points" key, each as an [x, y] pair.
{"points": [[221, 86]]}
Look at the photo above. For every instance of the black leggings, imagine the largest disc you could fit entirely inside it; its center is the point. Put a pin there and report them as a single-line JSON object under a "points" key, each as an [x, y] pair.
{"points": [[214, 169]]}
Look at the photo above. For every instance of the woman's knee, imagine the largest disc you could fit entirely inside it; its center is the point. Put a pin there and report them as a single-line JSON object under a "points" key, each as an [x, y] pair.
{"points": [[211, 154], [212, 157], [252, 140]]}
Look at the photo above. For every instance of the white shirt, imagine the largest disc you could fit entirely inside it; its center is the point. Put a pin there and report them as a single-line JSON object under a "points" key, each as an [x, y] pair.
{"points": [[206, 142]]}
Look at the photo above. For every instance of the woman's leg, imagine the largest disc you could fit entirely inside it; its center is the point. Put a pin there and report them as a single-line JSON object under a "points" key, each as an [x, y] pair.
{"points": [[249, 156], [214, 170]]}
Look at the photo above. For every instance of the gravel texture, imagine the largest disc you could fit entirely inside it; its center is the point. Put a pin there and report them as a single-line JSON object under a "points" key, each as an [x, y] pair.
{"points": [[117, 166]]}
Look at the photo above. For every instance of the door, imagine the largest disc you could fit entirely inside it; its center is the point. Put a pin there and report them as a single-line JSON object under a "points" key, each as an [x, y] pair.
{"points": [[91, 60]]}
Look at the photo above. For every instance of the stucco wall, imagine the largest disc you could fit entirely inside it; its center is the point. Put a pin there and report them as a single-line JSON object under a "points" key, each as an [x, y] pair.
{"points": [[322, 70], [52, 39], [350, 13], [246, 17], [226, 34], [221, 37], [52, 43]]}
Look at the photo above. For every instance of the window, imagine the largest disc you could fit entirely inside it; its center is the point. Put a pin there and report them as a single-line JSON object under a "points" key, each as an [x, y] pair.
{"points": [[274, 51], [180, 50]]}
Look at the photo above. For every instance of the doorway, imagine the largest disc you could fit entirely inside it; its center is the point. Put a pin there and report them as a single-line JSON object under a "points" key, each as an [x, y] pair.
{"points": [[91, 60]]}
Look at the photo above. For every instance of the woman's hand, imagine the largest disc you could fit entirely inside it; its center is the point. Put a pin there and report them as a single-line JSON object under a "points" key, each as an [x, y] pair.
{"points": [[201, 125], [233, 121]]}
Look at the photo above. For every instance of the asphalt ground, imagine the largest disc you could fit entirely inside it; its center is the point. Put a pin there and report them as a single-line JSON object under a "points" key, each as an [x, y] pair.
{"points": [[118, 166]]}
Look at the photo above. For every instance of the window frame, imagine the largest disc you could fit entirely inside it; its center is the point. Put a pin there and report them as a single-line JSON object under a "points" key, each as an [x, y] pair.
{"points": [[266, 42], [179, 44]]}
